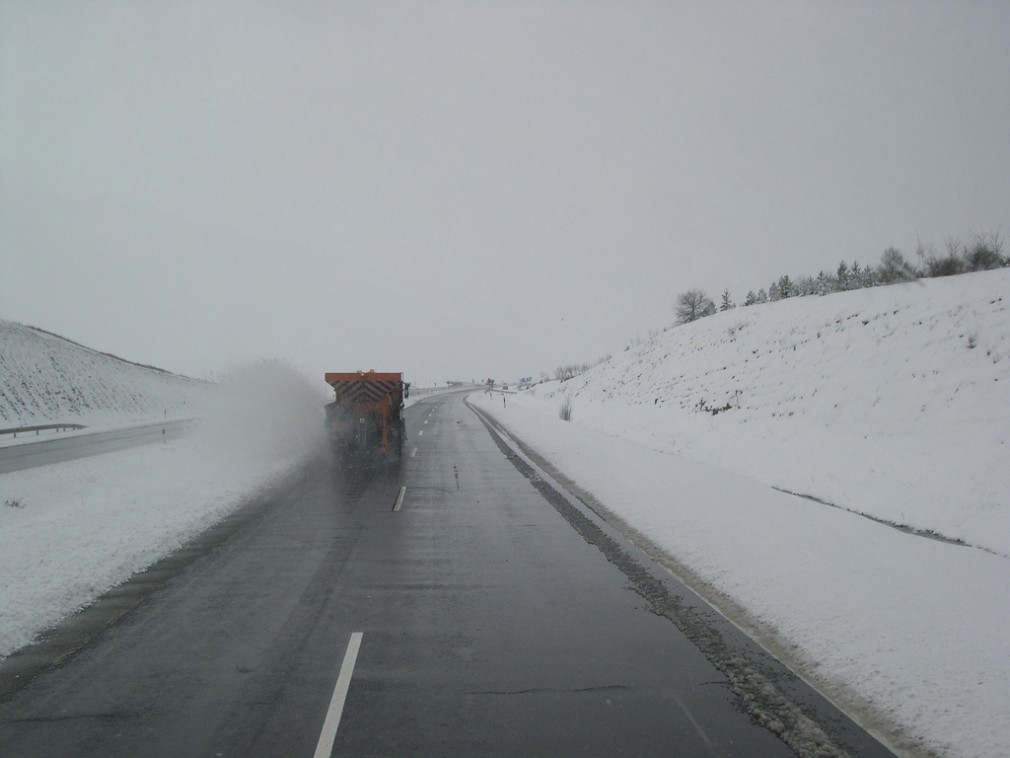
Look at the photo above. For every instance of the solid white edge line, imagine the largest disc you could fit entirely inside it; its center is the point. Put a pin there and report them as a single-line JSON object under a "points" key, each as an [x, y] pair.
{"points": [[399, 498], [325, 745]]}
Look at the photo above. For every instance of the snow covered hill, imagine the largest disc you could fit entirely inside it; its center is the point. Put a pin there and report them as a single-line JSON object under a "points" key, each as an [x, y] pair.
{"points": [[45, 378], [893, 402]]}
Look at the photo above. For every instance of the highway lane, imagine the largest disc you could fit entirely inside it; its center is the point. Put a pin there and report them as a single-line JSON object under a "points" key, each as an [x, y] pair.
{"points": [[82, 445], [488, 626]]}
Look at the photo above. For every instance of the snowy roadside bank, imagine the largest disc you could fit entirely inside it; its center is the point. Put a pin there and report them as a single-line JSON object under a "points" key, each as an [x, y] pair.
{"points": [[906, 633], [72, 530], [893, 402]]}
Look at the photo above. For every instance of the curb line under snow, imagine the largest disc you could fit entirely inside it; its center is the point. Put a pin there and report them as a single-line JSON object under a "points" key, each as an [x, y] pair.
{"points": [[798, 731]]}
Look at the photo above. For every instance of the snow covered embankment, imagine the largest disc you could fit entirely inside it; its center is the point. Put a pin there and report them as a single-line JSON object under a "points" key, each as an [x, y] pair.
{"points": [[47, 379], [70, 531], [892, 402]]}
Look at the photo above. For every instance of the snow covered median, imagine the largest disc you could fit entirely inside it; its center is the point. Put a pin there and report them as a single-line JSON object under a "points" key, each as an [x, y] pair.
{"points": [[70, 531]]}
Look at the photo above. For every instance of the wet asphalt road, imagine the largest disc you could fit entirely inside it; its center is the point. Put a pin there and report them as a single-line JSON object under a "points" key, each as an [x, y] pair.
{"points": [[488, 626], [82, 445]]}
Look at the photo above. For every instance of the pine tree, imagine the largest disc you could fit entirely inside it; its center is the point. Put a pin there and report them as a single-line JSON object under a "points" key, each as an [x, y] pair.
{"points": [[807, 285], [843, 277], [825, 284]]}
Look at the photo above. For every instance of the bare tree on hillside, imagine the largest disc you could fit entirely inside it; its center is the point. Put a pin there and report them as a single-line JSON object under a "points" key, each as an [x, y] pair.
{"points": [[894, 268], [693, 305], [985, 252]]}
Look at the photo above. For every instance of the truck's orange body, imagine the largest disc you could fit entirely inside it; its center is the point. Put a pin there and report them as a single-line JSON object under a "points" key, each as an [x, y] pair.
{"points": [[367, 414]]}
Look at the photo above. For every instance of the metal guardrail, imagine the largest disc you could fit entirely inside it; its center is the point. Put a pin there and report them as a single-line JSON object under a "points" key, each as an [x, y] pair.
{"points": [[424, 391], [41, 428]]}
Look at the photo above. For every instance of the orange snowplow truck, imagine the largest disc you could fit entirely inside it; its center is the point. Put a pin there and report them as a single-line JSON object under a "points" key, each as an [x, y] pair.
{"points": [[367, 414]]}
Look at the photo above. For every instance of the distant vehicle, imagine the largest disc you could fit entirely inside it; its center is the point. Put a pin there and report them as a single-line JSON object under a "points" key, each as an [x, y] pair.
{"points": [[367, 415]]}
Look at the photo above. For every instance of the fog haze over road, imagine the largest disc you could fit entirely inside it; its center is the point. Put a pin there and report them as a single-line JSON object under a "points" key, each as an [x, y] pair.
{"points": [[196, 185]]}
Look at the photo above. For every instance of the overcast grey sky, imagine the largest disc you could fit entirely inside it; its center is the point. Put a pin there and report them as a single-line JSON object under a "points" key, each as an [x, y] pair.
{"points": [[471, 189]]}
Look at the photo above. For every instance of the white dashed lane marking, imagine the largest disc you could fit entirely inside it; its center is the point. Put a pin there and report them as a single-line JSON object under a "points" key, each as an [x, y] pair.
{"points": [[324, 748]]}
